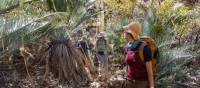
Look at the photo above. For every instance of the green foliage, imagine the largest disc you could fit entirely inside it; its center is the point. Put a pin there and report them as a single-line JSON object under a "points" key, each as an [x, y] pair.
{"points": [[171, 67], [164, 23], [123, 7], [7, 3], [64, 5], [114, 30], [115, 37], [167, 17], [23, 29]]}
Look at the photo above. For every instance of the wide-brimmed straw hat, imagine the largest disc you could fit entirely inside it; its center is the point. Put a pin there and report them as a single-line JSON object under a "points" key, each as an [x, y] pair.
{"points": [[134, 28]]}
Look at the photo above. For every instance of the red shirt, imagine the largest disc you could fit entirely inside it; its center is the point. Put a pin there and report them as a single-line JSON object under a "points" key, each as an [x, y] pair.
{"points": [[136, 68]]}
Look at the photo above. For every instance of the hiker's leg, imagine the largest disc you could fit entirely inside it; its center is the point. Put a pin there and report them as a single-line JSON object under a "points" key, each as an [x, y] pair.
{"points": [[103, 68], [100, 61], [130, 84], [106, 72], [141, 84]]}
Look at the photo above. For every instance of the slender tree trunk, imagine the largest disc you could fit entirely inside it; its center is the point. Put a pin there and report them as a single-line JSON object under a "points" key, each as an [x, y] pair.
{"points": [[101, 16], [197, 39], [4, 30]]}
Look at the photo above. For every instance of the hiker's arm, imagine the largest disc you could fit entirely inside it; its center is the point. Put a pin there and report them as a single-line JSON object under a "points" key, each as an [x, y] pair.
{"points": [[150, 74], [148, 59]]}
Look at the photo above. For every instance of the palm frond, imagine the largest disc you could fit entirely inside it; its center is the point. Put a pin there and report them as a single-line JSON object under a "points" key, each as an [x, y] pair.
{"points": [[15, 41], [29, 29]]}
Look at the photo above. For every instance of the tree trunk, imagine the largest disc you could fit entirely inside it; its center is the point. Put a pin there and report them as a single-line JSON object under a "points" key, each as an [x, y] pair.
{"points": [[197, 39], [4, 31], [101, 16], [67, 63]]}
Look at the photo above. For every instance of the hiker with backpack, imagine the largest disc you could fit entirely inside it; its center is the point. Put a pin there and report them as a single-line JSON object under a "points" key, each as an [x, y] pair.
{"points": [[84, 46], [101, 47], [140, 58]]}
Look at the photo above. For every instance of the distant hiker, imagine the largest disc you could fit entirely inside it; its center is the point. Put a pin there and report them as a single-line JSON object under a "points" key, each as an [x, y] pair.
{"points": [[139, 55], [84, 46], [101, 47]]}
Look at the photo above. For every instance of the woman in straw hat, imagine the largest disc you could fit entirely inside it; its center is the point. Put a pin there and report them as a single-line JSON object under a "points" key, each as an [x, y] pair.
{"points": [[139, 73]]}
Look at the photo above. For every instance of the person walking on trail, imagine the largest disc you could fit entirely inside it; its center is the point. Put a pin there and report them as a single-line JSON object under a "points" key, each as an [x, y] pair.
{"points": [[139, 73], [84, 46], [101, 47]]}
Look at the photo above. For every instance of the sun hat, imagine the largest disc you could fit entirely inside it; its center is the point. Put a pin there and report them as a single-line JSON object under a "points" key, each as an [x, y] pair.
{"points": [[134, 28]]}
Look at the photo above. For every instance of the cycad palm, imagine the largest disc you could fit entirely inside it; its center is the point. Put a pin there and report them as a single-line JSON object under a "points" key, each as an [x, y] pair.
{"points": [[171, 60], [62, 18], [68, 14]]}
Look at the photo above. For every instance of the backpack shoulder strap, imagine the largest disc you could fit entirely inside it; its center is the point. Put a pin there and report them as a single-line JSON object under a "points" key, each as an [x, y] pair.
{"points": [[141, 50]]}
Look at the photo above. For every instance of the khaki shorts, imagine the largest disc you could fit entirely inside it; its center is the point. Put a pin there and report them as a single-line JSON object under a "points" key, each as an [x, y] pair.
{"points": [[136, 84]]}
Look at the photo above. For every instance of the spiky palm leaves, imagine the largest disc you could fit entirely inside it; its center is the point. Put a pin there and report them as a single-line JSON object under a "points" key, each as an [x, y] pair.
{"points": [[65, 61], [160, 26], [71, 18], [171, 67], [115, 38]]}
